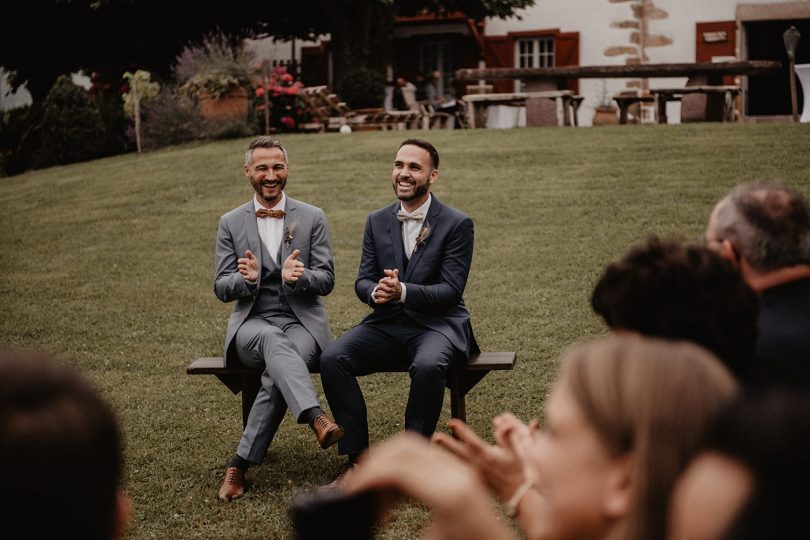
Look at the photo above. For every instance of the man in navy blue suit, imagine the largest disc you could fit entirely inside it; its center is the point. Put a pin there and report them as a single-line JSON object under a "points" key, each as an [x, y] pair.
{"points": [[416, 259]]}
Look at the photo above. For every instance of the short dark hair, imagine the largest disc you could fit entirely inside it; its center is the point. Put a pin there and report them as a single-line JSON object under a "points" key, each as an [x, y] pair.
{"points": [[424, 145], [663, 288], [769, 224], [767, 431], [60, 450], [264, 141]]}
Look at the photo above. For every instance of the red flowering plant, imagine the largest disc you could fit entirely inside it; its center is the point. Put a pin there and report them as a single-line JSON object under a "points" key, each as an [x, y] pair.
{"points": [[277, 103]]}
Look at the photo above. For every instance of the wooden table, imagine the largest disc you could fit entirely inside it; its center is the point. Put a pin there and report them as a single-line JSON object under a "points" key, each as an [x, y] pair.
{"points": [[663, 95], [639, 71], [624, 103], [567, 103]]}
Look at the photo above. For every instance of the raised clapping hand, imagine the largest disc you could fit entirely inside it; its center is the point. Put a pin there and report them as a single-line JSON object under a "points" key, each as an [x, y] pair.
{"points": [[408, 465], [249, 266], [388, 288], [499, 465], [293, 268]]}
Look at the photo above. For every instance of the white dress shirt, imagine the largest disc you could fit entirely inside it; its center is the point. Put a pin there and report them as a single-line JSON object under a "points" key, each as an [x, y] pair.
{"points": [[412, 227], [270, 229]]}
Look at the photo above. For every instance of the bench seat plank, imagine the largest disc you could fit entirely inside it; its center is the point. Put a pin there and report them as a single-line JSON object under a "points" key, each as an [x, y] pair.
{"points": [[461, 378]]}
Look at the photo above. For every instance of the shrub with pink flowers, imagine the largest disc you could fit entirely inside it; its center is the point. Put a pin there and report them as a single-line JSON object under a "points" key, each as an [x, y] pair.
{"points": [[276, 98]]}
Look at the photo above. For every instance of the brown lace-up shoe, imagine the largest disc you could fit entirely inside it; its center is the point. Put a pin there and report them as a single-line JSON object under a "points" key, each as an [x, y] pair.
{"points": [[326, 430], [233, 486]]}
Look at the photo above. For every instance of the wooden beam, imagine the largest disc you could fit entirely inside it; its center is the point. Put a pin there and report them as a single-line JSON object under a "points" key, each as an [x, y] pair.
{"points": [[749, 67]]}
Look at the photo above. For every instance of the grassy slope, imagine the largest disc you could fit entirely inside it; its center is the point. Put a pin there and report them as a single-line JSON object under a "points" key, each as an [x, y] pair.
{"points": [[109, 264]]}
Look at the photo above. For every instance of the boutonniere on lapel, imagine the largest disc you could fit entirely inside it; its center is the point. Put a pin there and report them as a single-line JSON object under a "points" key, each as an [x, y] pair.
{"points": [[421, 237], [288, 235]]}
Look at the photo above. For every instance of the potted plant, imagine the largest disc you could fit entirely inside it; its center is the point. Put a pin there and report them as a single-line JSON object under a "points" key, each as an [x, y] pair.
{"points": [[216, 72], [605, 111]]}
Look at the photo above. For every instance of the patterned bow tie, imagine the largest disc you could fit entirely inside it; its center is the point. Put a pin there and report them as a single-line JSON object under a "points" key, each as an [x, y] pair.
{"points": [[405, 216], [263, 213]]}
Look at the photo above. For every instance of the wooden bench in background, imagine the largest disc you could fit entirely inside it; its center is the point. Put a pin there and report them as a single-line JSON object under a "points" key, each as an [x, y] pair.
{"points": [[460, 379]]}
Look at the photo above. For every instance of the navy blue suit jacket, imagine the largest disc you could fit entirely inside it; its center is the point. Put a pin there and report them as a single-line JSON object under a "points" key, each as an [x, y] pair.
{"points": [[435, 276]]}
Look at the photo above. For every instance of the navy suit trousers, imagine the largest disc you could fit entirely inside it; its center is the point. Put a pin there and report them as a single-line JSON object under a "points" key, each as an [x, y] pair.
{"points": [[390, 344]]}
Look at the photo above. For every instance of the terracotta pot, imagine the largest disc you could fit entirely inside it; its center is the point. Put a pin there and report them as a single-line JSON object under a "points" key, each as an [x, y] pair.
{"points": [[233, 104], [605, 115]]}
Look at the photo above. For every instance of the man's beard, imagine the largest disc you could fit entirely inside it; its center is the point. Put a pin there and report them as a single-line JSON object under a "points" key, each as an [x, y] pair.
{"points": [[418, 191]]}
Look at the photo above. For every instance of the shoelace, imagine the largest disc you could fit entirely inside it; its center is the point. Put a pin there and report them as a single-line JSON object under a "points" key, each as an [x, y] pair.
{"points": [[233, 475], [322, 422]]}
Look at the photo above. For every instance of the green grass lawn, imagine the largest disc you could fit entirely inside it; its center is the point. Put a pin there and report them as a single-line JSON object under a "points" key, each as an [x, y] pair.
{"points": [[109, 265]]}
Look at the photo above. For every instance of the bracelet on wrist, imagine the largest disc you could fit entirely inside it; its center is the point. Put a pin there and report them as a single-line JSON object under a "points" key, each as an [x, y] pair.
{"points": [[513, 504]]}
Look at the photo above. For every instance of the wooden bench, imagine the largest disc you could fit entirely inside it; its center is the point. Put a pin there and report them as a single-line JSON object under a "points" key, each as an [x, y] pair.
{"points": [[663, 95], [460, 379]]}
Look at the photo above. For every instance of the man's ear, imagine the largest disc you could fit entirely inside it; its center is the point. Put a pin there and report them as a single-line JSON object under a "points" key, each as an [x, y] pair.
{"points": [[247, 170], [620, 487], [123, 514], [729, 251], [434, 175]]}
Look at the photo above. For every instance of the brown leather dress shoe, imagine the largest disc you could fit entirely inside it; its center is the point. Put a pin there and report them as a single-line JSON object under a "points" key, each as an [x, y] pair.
{"points": [[233, 486], [326, 430]]}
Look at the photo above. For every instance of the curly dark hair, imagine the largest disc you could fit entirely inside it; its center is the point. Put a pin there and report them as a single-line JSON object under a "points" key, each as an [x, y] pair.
{"points": [[664, 288]]}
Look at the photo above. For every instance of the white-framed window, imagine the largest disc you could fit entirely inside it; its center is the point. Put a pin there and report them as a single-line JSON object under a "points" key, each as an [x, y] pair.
{"points": [[534, 52]]}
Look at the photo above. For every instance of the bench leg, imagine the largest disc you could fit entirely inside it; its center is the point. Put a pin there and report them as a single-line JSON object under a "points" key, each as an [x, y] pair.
{"points": [[458, 408], [250, 389]]}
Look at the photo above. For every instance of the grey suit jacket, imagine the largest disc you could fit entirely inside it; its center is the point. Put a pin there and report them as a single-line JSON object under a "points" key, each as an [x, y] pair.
{"points": [[436, 274], [239, 232]]}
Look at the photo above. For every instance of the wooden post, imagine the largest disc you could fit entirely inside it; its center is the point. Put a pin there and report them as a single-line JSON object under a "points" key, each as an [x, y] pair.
{"points": [[794, 105], [791, 39], [265, 80], [136, 104]]}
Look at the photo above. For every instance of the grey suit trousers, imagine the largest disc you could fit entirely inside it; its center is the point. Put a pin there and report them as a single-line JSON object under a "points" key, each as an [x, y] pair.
{"points": [[284, 349]]}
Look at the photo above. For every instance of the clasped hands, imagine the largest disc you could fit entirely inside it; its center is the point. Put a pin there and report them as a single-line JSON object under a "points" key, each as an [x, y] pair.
{"points": [[292, 269], [389, 288]]}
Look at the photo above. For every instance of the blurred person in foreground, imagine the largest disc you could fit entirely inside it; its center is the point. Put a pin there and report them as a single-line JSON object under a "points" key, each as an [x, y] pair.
{"points": [[61, 456], [626, 415], [750, 480], [668, 289], [764, 229]]}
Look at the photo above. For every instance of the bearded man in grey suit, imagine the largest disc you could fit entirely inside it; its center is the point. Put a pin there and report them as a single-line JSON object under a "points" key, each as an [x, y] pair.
{"points": [[416, 259], [274, 258]]}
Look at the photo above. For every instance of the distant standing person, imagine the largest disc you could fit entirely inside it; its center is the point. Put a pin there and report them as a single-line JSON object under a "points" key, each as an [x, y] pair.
{"points": [[274, 258], [414, 267]]}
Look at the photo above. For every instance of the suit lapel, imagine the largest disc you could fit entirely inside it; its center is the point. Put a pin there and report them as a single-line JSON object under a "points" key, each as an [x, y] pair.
{"points": [[253, 239], [431, 221], [289, 222], [395, 230]]}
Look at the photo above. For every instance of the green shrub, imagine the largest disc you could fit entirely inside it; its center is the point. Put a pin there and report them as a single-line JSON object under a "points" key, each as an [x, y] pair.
{"points": [[169, 118], [217, 65], [362, 88], [19, 139], [72, 128]]}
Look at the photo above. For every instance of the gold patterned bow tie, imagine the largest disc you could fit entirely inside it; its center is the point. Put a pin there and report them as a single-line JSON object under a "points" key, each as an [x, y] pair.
{"points": [[263, 213], [405, 216]]}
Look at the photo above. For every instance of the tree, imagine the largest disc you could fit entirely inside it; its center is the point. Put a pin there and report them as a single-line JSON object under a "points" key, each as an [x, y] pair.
{"points": [[141, 88], [114, 36]]}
